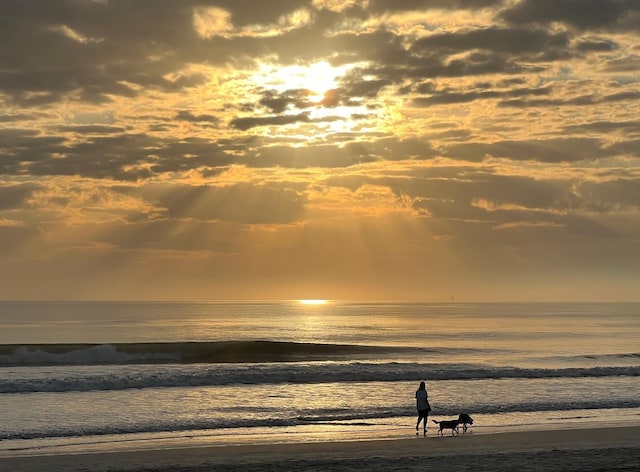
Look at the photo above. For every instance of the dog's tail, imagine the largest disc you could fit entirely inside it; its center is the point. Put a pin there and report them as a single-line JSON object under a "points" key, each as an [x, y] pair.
{"points": [[436, 422]]}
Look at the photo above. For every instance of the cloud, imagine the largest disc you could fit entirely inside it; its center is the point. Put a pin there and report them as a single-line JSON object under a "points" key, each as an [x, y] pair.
{"points": [[549, 150], [581, 14], [443, 97], [611, 195], [16, 196], [452, 137], [604, 127], [582, 100], [188, 116], [596, 45], [500, 40], [378, 6], [246, 123], [240, 203], [278, 102], [211, 21]]}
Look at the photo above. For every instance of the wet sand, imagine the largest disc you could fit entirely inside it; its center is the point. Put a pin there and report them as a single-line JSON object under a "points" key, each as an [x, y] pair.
{"points": [[611, 449]]}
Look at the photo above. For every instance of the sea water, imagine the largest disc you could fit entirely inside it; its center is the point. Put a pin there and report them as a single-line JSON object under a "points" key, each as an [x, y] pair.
{"points": [[85, 376]]}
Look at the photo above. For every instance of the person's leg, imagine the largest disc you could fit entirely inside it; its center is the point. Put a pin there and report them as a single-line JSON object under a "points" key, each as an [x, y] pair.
{"points": [[420, 418]]}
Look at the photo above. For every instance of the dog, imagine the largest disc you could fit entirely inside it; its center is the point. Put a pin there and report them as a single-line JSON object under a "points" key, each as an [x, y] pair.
{"points": [[448, 424], [465, 420]]}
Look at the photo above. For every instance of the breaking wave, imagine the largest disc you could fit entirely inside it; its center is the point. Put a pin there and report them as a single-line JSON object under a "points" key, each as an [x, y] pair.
{"points": [[188, 352], [108, 378]]}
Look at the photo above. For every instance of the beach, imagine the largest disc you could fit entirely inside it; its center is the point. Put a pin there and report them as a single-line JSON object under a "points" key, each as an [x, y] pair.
{"points": [[615, 448], [100, 386]]}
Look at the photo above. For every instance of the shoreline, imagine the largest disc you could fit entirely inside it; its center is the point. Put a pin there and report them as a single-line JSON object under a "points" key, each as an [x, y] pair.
{"points": [[608, 448]]}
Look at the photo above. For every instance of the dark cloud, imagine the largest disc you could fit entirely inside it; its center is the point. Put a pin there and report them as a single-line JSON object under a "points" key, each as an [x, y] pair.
{"points": [[92, 129], [596, 45], [91, 50], [97, 157], [22, 148], [355, 86], [497, 190], [604, 127], [500, 40], [12, 117], [547, 150], [432, 67], [337, 156], [16, 196], [627, 64], [582, 100], [626, 147], [279, 120], [581, 14], [185, 115], [443, 97], [117, 156], [611, 195], [279, 102], [381, 6], [481, 51], [300, 99]]}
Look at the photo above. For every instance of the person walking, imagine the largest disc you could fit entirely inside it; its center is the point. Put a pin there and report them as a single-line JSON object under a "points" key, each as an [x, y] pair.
{"points": [[422, 404]]}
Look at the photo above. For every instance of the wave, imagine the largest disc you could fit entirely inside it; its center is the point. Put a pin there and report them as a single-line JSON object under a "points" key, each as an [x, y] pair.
{"points": [[187, 352], [222, 352], [629, 355], [372, 416], [109, 378]]}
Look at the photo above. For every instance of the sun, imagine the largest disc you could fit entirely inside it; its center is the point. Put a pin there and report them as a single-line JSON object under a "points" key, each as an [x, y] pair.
{"points": [[313, 301], [313, 90], [317, 78]]}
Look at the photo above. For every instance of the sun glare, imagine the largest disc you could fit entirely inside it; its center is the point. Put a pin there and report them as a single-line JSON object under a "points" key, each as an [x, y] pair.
{"points": [[313, 90], [313, 302], [317, 78]]}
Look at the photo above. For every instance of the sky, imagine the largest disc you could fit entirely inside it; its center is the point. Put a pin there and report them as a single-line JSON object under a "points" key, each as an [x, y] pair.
{"points": [[370, 150]]}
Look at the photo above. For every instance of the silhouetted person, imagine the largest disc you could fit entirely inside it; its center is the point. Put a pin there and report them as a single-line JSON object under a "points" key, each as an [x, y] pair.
{"points": [[422, 403]]}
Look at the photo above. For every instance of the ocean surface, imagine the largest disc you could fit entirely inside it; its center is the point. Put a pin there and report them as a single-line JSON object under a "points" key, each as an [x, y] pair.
{"points": [[88, 376]]}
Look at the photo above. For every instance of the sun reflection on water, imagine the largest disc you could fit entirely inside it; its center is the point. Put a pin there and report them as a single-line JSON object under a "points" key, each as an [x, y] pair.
{"points": [[313, 301]]}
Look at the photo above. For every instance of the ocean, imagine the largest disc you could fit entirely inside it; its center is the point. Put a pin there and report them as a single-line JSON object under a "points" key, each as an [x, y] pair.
{"points": [[91, 376]]}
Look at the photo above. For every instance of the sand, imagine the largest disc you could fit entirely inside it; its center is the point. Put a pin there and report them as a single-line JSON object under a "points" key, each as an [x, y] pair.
{"points": [[610, 449]]}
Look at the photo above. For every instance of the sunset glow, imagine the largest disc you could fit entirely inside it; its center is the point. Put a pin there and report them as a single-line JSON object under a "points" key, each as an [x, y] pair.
{"points": [[365, 150]]}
